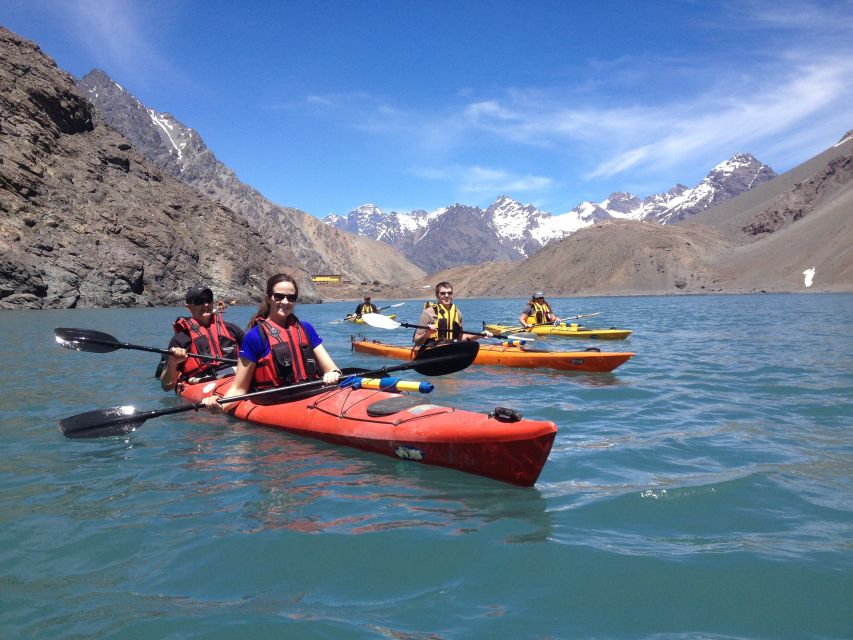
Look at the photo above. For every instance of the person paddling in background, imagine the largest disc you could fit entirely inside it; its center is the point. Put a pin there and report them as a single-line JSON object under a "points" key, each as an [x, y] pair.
{"points": [[278, 348], [365, 307], [537, 311], [443, 319], [204, 333]]}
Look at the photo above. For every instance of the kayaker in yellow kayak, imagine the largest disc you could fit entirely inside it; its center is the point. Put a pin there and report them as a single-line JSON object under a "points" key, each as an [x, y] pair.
{"points": [[443, 319], [365, 307], [537, 311]]}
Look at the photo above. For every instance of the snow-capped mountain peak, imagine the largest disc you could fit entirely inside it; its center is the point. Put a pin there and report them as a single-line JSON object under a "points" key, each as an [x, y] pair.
{"points": [[520, 230]]}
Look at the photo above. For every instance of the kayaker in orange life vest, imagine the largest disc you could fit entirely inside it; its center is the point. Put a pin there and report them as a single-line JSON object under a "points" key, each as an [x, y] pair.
{"points": [[442, 319], [278, 348], [537, 311], [205, 333]]}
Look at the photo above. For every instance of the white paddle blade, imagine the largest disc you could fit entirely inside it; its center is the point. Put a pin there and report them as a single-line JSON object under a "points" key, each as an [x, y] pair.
{"points": [[524, 338], [380, 321]]}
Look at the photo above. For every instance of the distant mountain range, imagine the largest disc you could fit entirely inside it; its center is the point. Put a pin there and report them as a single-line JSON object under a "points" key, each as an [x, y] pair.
{"points": [[509, 230]]}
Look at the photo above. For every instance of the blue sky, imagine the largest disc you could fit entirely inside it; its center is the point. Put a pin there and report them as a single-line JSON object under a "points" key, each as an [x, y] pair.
{"points": [[325, 106]]}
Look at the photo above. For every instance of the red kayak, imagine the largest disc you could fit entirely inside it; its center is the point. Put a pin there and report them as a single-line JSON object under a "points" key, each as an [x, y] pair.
{"points": [[500, 445]]}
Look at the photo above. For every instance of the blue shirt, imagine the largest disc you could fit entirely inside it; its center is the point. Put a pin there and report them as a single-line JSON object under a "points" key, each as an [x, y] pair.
{"points": [[255, 345]]}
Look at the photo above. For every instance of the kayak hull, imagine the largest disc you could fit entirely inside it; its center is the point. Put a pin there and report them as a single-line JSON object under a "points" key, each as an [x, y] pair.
{"points": [[355, 320], [508, 355], [565, 330], [420, 431]]}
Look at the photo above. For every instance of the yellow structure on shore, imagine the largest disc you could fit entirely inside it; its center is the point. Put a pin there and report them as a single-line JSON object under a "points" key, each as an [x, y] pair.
{"points": [[328, 278]]}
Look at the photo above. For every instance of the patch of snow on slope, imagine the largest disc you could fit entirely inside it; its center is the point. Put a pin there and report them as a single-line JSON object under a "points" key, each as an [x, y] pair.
{"points": [[168, 128]]}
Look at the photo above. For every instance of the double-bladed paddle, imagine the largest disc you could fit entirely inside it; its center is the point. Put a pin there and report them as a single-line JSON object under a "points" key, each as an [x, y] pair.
{"points": [[351, 316], [384, 322], [99, 342], [119, 421]]}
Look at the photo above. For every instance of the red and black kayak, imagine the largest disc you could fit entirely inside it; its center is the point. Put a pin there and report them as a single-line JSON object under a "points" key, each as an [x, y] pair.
{"points": [[500, 444]]}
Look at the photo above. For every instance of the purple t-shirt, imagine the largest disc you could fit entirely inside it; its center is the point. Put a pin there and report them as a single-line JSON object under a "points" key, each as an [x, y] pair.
{"points": [[255, 346]]}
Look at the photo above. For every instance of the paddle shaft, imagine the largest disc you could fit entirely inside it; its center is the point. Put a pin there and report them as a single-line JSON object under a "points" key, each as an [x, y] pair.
{"points": [[136, 347], [515, 328], [482, 334], [316, 384]]}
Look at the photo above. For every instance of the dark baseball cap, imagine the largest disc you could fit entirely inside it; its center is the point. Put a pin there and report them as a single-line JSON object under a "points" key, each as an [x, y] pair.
{"points": [[196, 293], [538, 294]]}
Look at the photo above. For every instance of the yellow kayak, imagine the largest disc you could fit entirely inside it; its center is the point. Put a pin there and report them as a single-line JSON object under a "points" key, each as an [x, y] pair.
{"points": [[359, 320], [569, 330]]}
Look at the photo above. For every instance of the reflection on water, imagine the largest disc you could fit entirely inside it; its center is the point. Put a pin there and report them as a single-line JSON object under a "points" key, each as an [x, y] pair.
{"points": [[293, 480]]}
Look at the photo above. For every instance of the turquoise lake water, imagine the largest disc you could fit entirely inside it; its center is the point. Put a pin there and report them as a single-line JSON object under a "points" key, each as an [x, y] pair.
{"points": [[702, 490]]}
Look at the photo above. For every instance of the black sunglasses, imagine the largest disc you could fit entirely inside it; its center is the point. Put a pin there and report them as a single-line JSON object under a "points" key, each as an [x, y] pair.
{"points": [[201, 301], [291, 297], [445, 293]]}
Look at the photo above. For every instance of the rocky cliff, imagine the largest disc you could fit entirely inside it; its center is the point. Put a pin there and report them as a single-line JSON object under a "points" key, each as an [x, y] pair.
{"points": [[86, 221], [181, 152]]}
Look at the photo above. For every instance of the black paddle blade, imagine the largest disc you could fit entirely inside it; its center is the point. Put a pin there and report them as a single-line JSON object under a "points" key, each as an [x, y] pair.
{"points": [[100, 423], [446, 358], [86, 340]]}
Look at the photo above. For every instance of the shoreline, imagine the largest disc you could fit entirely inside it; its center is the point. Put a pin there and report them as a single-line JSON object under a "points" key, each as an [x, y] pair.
{"points": [[556, 296], [430, 297]]}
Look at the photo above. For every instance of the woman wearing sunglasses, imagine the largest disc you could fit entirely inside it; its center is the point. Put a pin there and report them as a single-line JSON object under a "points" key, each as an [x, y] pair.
{"points": [[278, 348]]}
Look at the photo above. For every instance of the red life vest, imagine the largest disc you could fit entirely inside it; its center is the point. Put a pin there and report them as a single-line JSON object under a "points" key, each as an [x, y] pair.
{"points": [[291, 359], [214, 340]]}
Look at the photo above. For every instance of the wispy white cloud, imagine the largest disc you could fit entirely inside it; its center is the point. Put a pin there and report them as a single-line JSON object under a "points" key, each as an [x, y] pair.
{"points": [[479, 181], [118, 36], [714, 123], [795, 79]]}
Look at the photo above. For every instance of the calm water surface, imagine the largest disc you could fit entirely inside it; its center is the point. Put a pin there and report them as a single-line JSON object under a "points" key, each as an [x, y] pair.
{"points": [[704, 489]]}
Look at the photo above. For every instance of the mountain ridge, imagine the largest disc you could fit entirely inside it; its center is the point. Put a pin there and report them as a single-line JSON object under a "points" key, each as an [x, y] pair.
{"points": [[521, 230]]}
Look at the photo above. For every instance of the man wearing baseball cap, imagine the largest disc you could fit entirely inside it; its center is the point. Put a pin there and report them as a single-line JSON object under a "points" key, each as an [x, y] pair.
{"points": [[537, 311], [203, 332]]}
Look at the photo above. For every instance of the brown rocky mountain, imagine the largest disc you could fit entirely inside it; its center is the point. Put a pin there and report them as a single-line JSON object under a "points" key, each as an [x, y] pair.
{"points": [[763, 240], [85, 221], [181, 152]]}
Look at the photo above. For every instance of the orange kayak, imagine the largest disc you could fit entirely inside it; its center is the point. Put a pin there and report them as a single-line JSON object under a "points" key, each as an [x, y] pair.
{"points": [[514, 355], [500, 444]]}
